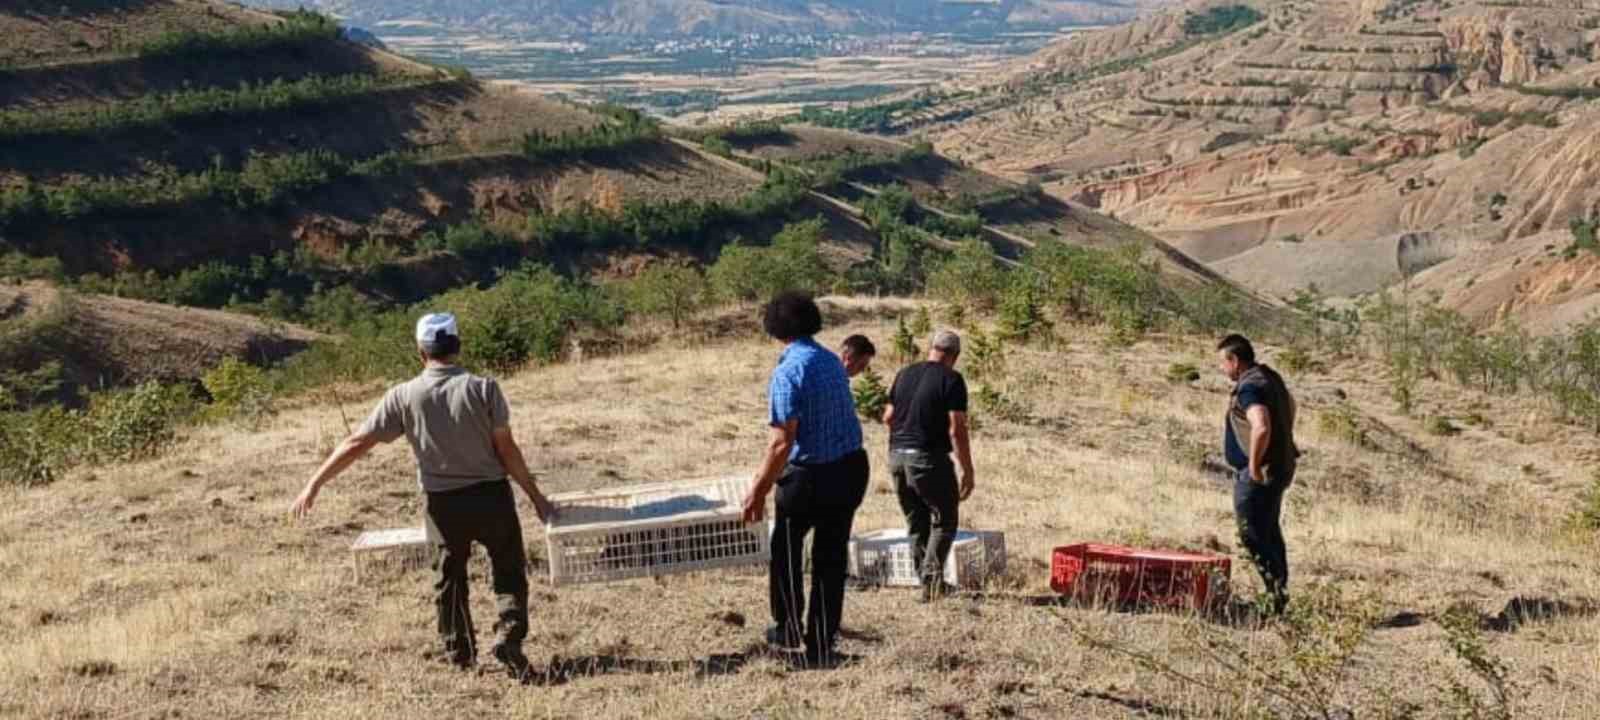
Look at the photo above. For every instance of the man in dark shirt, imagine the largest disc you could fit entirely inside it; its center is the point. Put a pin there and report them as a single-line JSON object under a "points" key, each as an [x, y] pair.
{"points": [[1258, 440], [927, 419]]}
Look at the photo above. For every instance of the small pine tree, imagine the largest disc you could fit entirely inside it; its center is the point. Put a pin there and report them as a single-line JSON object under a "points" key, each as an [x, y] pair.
{"points": [[905, 343], [922, 322], [1022, 312], [871, 395]]}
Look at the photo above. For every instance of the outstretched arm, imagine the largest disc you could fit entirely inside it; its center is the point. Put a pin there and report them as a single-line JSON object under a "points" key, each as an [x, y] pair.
{"points": [[349, 451], [505, 446]]}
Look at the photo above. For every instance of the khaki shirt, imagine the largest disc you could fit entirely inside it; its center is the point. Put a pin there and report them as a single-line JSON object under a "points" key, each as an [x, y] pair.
{"points": [[449, 416]]}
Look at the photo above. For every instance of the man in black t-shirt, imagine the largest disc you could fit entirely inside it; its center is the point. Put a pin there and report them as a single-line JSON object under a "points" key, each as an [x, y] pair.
{"points": [[1258, 440], [927, 419]]}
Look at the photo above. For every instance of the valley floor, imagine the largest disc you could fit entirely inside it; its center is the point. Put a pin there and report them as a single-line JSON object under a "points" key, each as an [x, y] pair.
{"points": [[178, 588]]}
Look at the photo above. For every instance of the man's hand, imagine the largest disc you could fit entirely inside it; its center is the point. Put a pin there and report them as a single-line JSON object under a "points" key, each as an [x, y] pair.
{"points": [[542, 507], [302, 504], [968, 483], [755, 505], [1257, 476]]}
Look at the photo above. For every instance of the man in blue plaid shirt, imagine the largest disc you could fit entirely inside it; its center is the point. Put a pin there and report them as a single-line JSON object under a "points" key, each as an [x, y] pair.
{"points": [[816, 461]]}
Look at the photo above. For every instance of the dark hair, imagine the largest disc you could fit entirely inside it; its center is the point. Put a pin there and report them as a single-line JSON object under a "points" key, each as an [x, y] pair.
{"points": [[1239, 347], [791, 315], [860, 345], [442, 346]]}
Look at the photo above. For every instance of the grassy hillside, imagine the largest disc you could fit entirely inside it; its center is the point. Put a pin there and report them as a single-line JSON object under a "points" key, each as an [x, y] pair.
{"points": [[178, 586]]}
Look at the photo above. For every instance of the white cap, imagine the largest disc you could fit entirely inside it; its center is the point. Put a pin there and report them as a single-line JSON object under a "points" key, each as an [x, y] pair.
{"points": [[431, 325]]}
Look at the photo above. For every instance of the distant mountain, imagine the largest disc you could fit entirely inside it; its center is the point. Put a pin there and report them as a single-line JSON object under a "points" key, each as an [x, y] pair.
{"points": [[665, 18]]}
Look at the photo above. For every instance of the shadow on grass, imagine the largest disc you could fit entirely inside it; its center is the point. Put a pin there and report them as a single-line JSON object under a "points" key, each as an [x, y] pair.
{"points": [[1142, 707]]}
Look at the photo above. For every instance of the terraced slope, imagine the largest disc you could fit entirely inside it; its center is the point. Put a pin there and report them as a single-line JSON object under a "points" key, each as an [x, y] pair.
{"points": [[161, 134], [1012, 217], [1345, 143]]}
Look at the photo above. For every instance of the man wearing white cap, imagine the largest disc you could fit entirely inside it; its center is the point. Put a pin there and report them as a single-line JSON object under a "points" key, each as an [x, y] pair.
{"points": [[459, 426]]}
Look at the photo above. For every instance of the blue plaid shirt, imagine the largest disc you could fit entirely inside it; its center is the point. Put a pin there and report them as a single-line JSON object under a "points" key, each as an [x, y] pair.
{"points": [[809, 384]]}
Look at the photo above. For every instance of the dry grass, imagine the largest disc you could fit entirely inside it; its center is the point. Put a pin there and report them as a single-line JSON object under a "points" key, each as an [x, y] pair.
{"points": [[177, 586]]}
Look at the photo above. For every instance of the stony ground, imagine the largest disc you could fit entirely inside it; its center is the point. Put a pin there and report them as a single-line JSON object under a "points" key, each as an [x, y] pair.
{"points": [[178, 588]]}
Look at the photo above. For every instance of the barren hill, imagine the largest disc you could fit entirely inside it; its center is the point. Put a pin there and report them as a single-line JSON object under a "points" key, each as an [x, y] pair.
{"points": [[1343, 143], [104, 341]]}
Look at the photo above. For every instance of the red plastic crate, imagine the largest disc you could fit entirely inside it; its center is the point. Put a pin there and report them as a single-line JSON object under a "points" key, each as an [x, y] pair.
{"points": [[1129, 576]]}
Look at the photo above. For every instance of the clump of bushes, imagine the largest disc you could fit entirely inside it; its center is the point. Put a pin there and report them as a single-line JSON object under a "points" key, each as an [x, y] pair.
{"points": [[37, 446]]}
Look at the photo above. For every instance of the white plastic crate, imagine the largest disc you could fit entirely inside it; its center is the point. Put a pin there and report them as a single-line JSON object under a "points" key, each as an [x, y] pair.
{"points": [[884, 556], [649, 530], [406, 547]]}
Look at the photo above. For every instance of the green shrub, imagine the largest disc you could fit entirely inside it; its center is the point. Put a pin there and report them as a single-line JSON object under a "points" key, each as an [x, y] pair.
{"points": [[37, 446], [905, 344], [999, 405], [1182, 373], [147, 111], [1296, 359], [1221, 19], [1344, 423], [135, 424], [298, 29], [871, 396], [1583, 234], [1585, 516], [1463, 628], [262, 181], [1022, 314], [673, 289], [623, 128], [718, 146], [472, 238], [527, 316], [18, 266], [986, 357], [239, 390], [792, 262], [1441, 426], [1116, 287], [970, 278]]}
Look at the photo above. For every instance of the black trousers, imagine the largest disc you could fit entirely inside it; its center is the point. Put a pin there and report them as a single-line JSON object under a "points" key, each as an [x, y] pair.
{"points": [[1258, 510], [926, 486], [485, 513], [818, 499]]}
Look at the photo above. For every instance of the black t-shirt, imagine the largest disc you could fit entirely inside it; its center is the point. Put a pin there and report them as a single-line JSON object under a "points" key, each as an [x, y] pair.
{"points": [[923, 396]]}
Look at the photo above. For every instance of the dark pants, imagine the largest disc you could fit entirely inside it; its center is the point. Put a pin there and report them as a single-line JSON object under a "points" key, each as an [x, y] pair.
{"points": [[820, 499], [1258, 510], [926, 486], [485, 513]]}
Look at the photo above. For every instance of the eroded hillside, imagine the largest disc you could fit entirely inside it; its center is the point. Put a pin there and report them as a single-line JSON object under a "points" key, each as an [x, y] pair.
{"points": [[1345, 143]]}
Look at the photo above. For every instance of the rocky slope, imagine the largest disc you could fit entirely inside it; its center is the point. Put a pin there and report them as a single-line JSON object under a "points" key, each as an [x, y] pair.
{"points": [[1347, 143]]}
